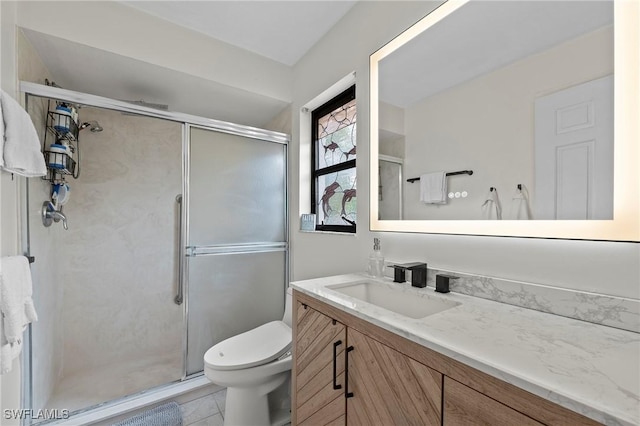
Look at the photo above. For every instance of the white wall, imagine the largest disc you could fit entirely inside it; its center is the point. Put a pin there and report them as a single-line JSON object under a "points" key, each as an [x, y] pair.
{"points": [[603, 267], [391, 118], [487, 125]]}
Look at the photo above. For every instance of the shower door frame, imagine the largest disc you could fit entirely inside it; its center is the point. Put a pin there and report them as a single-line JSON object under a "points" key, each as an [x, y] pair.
{"points": [[187, 121], [191, 251], [400, 162]]}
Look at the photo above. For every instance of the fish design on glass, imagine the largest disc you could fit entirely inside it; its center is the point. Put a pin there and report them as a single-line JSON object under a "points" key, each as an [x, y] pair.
{"points": [[346, 197], [329, 192], [352, 152], [331, 147]]}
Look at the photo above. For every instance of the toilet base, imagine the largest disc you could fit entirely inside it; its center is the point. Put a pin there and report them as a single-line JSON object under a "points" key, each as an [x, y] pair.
{"points": [[246, 406]]}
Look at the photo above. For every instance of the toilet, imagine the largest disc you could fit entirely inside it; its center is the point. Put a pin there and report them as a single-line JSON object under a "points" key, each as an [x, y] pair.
{"points": [[255, 367]]}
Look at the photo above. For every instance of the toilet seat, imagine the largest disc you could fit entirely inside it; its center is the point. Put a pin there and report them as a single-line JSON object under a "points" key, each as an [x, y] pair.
{"points": [[259, 346]]}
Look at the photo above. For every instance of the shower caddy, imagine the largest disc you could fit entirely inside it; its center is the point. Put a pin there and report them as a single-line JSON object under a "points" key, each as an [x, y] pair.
{"points": [[63, 128], [59, 146]]}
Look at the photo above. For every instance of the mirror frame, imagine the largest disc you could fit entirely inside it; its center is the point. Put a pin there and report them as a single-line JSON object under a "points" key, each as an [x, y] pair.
{"points": [[625, 225]]}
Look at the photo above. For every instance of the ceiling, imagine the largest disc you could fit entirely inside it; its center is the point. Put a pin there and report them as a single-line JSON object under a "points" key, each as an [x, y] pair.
{"points": [[463, 46], [281, 30]]}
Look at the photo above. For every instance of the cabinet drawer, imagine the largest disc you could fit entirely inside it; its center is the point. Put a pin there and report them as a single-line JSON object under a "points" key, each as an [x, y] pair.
{"points": [[465, 406]]}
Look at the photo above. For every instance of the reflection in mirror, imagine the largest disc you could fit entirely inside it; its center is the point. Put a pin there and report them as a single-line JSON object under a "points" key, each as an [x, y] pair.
{"points": [[519, 92], [390, 187]]}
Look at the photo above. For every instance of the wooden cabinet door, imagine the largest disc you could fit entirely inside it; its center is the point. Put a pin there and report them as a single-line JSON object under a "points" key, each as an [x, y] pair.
{"points": [[388, 387], [319, 369], [465, 406]]}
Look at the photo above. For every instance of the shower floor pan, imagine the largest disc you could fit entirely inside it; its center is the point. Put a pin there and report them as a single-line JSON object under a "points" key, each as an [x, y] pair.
{"points": [[88, 388]]}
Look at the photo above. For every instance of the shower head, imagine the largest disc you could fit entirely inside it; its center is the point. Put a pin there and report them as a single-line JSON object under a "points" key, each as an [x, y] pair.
{"points": [[93, 126]]}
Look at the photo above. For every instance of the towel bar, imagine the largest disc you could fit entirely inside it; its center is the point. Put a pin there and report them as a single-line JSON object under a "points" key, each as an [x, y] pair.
{"points": [[462, 172]]}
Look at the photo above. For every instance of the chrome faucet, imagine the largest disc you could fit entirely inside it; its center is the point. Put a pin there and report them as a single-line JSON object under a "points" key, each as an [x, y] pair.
{"points": [[58, 216], [50, 214]]}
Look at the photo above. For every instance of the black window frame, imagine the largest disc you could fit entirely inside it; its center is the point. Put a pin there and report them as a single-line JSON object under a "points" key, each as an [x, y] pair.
{"points": [[343, 98]]}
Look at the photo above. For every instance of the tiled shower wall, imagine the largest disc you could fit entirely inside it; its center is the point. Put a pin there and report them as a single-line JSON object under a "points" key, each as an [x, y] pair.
{"points": [[119, 254]]}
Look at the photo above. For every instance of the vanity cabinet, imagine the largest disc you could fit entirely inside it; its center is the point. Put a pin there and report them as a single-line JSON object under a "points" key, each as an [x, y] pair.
{"points": [[319, 368], [381, 386], [395, 380], [465, 406], [389, 388]]}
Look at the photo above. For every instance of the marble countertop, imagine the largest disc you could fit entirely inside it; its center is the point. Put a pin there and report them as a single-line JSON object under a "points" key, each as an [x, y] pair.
{"points": [[588, 368]]}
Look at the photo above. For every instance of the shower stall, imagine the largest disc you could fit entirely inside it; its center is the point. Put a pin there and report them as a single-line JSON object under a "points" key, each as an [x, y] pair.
{"points": [[177, 239], [390, 189]]}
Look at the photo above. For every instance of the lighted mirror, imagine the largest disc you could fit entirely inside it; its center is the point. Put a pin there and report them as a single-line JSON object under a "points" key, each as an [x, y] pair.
{"points": [[509, 118]]}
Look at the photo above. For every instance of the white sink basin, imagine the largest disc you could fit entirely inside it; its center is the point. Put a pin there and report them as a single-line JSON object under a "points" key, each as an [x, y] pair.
{"points": [[410, 303]]}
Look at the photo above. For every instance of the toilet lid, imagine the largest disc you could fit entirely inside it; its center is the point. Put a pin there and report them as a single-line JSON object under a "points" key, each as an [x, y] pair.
{"points": [[259, 346]]}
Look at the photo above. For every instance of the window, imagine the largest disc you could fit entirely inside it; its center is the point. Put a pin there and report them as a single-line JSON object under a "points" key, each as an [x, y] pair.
{"points": [[333, 163]]}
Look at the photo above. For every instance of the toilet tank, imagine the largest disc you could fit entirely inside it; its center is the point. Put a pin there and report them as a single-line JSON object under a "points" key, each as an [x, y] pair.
{"points": [[287, 308]]}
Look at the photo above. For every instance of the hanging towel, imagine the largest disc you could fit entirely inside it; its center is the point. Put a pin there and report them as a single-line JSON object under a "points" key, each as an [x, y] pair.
{"points": [[16, 304], [519, 208], [20, 153], [8, 351], [433, 188], [491, 208], [16, 307]]}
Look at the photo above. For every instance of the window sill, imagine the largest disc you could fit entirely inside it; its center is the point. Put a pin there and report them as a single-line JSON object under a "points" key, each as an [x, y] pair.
{"points": [[353, 234]]}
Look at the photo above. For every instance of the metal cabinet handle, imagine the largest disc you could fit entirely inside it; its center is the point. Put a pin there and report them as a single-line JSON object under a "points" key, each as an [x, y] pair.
{"points": [[347, 394], [335, 361], [180, 294]]}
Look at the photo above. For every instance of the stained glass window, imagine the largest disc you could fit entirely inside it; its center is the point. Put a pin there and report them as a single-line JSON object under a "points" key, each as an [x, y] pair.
{"points": [[334, 163]]}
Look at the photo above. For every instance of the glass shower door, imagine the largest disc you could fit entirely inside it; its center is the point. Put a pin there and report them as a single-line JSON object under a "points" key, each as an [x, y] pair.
{"points": [[236, 238], [104, 287], [390, 188]]}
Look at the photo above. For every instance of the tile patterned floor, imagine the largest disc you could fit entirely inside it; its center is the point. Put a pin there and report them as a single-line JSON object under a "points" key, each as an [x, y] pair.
{"points": [[192, 416], [205, 411]]}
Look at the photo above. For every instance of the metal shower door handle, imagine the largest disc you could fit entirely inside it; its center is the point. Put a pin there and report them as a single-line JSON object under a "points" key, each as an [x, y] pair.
{"points": [[180, 294]]}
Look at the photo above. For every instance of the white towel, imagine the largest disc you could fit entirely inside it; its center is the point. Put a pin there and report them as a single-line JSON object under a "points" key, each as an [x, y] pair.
{"points": [[433, 188], [491, 208], [16, 307], [16, 304], [20, 152], [8, 352], [519, 208]]}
